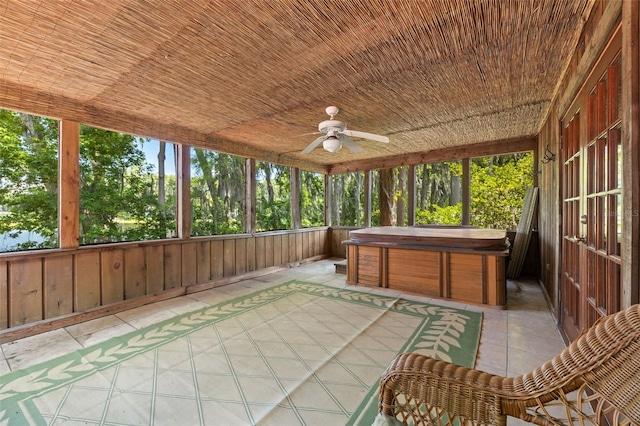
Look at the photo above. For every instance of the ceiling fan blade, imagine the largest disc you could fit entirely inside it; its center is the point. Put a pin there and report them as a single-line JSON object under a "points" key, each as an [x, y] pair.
{"points": [[349, 143], [365, 135], [304, 134], [314, 144]]}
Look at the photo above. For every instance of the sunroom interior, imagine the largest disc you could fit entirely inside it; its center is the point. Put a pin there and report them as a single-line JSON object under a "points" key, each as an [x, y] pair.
{"points": [[443, 81]]}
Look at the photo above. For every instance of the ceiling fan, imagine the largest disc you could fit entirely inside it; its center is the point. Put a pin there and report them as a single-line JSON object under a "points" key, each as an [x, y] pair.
{"points": [[335, 135]]}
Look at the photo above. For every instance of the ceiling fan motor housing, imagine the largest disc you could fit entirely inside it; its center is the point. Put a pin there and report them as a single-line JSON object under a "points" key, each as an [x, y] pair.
{"points": [[331, 126]]}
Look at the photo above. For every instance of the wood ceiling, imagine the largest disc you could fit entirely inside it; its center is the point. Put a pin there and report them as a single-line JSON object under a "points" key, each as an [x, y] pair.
{"points": [[249, 77]]}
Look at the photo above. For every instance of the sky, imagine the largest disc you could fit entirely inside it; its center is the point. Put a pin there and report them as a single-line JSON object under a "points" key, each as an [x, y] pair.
{"points": [[150, 149]]}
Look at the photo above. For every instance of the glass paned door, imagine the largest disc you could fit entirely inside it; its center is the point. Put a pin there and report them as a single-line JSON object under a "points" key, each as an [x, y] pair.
{"points": [[592, 197], [571, 248]]}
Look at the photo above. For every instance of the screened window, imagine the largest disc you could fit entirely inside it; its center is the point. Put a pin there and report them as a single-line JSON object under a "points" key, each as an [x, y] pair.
{"points": [[498, 188], [273, 197], [439, 193], [217, 193], [311, 199], [126, 192], [347, 203], [28, 182]]}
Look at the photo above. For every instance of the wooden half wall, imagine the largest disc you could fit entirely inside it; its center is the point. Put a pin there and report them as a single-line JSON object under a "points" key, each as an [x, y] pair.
{"points": [[48, 289]]}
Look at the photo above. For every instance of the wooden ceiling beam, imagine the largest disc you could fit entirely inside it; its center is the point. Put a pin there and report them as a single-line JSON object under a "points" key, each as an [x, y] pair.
{"points": [[445, 154]]}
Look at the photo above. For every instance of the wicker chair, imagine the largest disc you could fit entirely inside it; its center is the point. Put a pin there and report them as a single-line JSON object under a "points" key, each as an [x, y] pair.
{"points": [[598, 375]]}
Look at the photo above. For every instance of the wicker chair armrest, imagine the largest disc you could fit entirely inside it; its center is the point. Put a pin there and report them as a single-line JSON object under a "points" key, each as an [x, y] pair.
{"points": [[418, 389]]}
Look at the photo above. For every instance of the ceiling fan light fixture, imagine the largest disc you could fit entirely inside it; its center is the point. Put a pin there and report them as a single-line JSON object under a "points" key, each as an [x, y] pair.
{"points": [[332, 144]]}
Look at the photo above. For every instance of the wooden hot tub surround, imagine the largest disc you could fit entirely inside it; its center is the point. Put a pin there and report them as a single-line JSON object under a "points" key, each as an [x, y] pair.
{"points": [[457, 263]]}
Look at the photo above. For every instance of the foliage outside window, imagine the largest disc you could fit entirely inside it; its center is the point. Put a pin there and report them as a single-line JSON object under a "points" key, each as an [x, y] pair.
{"points": [[498, 188], [122, 196], [217, 193], [438, 193], [28, 182], [311, 199], [273, 197], [348, 199]]}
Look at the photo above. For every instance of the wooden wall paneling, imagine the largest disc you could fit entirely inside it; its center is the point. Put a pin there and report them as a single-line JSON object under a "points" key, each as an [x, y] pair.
{"points": [[268, 251], [368, 264], [550, 195], [445, 287], [217, 259], [25, 291], [87, 281], [203, 265], [494, 272], [112, 276], [260, 256], [414, 271], [384, 267], [58, 286], [338, 236], [251, 254], [298, 236], [135, 273], [285, 249], [326, 241], [466, 275], [315, 239], [352, 261], [4, 300], [229, 256], [172, 266], [189, 264], [154, 269], [292, 247], [277, 250], [310, 243], [241, 256], [305, 245]]}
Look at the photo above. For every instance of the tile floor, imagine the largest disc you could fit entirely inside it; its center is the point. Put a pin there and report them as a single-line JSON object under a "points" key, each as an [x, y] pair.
{"points": [[513, 341]]}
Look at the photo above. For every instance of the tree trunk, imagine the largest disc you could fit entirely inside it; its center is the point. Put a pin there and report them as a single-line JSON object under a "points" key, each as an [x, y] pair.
{"points": [[161, 173], [267, 180], [401, 204], [425, 186], [386, 197], [358, 222], [456, 193], [207, 173]]}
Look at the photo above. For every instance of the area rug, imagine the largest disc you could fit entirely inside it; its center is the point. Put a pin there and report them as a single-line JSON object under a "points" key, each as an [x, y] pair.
{"points": [[295, 354]]}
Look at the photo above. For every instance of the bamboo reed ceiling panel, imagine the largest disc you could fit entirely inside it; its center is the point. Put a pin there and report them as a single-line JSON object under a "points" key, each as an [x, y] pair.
{"points": [[248, 76]]}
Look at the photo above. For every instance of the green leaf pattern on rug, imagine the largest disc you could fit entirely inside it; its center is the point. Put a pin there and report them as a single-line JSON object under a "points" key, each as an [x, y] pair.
{"points": [[436, 340], [444, 333]]}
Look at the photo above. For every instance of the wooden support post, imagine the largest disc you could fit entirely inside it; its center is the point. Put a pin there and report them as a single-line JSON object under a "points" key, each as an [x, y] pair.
{"points": [[630, 80], [367, 198], [183, 174], [69, 184], [411, 196], [328, 198], [466, 191], [296, 220], [250, 196]]}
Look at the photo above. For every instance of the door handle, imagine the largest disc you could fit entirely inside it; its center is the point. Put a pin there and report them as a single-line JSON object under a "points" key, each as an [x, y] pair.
{"points": [[579, 239]]}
